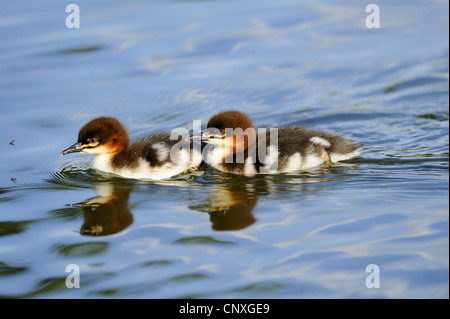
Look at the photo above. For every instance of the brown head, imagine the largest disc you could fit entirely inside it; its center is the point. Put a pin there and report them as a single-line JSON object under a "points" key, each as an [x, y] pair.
{"points": [[230, 119], [231, 129], [103, 135]]}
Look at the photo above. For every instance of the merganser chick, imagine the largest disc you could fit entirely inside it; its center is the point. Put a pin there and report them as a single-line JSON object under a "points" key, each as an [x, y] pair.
{"points": [[150, 157], [235, 149]]}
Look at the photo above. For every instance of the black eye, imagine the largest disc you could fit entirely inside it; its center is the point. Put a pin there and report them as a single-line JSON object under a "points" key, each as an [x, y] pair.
{"points": [[93, 140]]}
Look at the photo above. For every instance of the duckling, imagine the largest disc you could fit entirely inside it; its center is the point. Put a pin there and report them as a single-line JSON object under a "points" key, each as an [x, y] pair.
{"points": [[235, 147], [151, 157]]}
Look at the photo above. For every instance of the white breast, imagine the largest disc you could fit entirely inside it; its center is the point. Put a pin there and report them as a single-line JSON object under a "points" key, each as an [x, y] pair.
{"points": [[213, 155], [143, 170], [102, 162]]}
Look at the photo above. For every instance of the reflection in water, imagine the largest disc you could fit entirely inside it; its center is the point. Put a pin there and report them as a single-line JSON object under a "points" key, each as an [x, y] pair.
{"points": [[107, 213], [229, 201], [229, 206]]}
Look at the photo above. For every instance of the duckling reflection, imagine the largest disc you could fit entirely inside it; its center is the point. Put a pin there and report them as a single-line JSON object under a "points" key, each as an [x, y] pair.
{"points": [[107, 213], [229, 206], [231, 200]]}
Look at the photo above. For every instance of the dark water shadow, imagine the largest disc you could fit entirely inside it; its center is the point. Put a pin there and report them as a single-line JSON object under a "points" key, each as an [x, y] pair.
{"points": [[108, 212], [228, 199], [231, 199], [229, 206]]}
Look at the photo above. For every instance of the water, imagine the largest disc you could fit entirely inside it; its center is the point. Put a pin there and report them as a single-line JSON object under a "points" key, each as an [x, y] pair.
{"points": [[160, 65]]}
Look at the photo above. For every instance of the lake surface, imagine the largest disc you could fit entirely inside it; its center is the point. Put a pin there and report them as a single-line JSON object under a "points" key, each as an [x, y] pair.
{"points": [[160, 65]]}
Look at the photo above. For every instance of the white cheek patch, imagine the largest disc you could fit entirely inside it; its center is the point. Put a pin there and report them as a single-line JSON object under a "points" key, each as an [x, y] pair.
{"points": [[336, 157], [97, 150], [215, 141], [320, 141]]}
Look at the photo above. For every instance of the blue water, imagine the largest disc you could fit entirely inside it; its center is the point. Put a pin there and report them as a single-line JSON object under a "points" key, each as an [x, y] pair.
{"points": [[159, 65]]}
